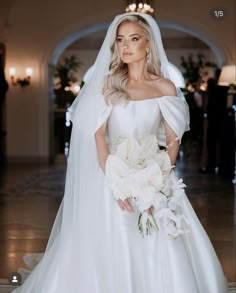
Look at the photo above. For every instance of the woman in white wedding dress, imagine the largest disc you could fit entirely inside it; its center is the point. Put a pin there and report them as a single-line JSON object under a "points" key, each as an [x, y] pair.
{"points": [[95, 246]]}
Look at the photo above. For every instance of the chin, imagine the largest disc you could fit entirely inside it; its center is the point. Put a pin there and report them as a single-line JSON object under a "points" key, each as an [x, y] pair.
{"points": [[127, 60], [132, 60]]}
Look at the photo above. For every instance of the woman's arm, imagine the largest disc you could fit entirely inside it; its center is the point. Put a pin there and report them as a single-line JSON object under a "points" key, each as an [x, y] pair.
{"points": [[102, 148], [167, 87], [172, 143]]}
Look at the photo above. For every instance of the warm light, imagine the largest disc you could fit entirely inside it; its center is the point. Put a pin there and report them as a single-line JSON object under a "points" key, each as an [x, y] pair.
{"points": [[203, 86], [228, 75], [190, 88], [139, 7], [29, 71], [12, 71], [22, 81]]}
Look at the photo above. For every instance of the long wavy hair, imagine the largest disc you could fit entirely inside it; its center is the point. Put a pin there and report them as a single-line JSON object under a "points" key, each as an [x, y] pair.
{"points": [[115, 88]]}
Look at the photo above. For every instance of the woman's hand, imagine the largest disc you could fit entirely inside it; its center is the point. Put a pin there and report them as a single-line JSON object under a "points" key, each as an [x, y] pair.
{"points": [[125, 205]]}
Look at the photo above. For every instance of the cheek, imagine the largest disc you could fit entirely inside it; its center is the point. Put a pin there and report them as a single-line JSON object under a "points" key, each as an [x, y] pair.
{"points": [[141, 47], [119, 49]]}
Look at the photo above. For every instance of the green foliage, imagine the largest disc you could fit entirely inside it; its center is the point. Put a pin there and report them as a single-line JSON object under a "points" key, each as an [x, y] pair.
{"points": [[195, 69], [65, 71]]}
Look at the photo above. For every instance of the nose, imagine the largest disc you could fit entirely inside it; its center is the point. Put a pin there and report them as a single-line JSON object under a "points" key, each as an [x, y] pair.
{"points": [[126, 44]]}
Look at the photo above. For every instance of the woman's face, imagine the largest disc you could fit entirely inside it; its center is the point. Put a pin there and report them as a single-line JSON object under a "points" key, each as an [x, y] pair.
{"points": [[131, 42]]}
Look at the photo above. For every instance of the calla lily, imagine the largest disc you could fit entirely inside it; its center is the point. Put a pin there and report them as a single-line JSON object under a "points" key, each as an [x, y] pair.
{"points": [[140, 171]]}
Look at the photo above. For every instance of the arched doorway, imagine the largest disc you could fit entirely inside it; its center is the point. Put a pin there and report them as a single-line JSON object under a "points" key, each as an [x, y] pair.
{"points": [[77, 37], [162, 24]]}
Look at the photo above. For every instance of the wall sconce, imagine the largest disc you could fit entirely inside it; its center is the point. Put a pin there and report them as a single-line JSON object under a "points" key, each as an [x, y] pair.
{"points": [[21, 81]]}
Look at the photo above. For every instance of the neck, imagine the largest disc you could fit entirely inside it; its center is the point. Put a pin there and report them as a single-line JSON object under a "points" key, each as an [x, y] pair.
{"points": [[137, 71]]}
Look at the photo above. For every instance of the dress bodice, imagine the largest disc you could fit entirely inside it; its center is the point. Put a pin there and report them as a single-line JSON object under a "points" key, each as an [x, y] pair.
{"points": [[135, 119], [144, 117]]}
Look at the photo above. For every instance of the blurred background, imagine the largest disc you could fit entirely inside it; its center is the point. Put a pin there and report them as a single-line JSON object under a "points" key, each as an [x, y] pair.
{"points": [[47, 49]]}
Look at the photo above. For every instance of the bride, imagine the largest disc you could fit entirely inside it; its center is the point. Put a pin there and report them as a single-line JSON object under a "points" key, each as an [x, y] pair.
{"points": [[95, 246]]}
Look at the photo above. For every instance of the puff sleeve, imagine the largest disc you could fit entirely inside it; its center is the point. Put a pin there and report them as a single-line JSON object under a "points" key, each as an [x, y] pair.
{"points": [[176, 113], [104, 113]]}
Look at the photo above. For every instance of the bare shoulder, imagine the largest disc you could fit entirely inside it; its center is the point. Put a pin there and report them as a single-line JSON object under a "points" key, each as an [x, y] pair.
{"points": [[166, 87]]}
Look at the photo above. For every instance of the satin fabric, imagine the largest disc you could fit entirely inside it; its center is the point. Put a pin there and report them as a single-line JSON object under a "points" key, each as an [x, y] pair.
{"points": [[98, 248], [141, 121]]}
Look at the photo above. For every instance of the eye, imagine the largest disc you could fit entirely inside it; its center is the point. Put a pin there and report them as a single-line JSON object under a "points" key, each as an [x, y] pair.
{"points": [[119, 40], [135, 39]]}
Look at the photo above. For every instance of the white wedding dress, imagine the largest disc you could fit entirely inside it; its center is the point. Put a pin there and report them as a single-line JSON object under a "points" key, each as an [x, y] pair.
{"points": [[103, 252]]}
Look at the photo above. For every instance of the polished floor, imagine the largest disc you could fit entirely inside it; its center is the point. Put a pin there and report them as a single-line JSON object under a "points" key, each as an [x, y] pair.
{"points": [[30, 195]]}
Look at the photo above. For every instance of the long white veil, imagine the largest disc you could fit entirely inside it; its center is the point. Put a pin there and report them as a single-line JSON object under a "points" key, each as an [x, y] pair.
{"points": [[87, 101], [89, 111]]}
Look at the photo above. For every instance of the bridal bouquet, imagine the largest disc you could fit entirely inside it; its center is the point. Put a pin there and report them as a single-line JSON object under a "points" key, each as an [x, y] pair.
{"points": [[140, 171]]}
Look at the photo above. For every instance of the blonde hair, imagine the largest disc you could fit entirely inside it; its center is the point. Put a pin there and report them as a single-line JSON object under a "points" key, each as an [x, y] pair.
{"points": [[115, 86]]}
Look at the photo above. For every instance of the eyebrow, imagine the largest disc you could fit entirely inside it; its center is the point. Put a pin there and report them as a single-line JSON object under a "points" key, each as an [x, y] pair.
{"points": [[132, 35]]}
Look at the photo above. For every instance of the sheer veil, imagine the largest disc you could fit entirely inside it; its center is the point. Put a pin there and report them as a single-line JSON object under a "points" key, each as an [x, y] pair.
{"points": [[90, 100], [89, 111]]}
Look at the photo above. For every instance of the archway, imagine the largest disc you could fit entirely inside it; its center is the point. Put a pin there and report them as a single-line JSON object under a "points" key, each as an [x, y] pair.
{"points": [[62, 46], [216, 50], [162, 24]]}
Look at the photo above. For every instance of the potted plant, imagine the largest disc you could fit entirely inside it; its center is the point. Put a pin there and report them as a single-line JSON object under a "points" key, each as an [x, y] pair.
{"points": [[65, 75], [195, 69]]}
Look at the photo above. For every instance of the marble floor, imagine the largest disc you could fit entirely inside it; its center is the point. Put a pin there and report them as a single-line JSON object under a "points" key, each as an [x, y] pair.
{"points": [[31, 193]]}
